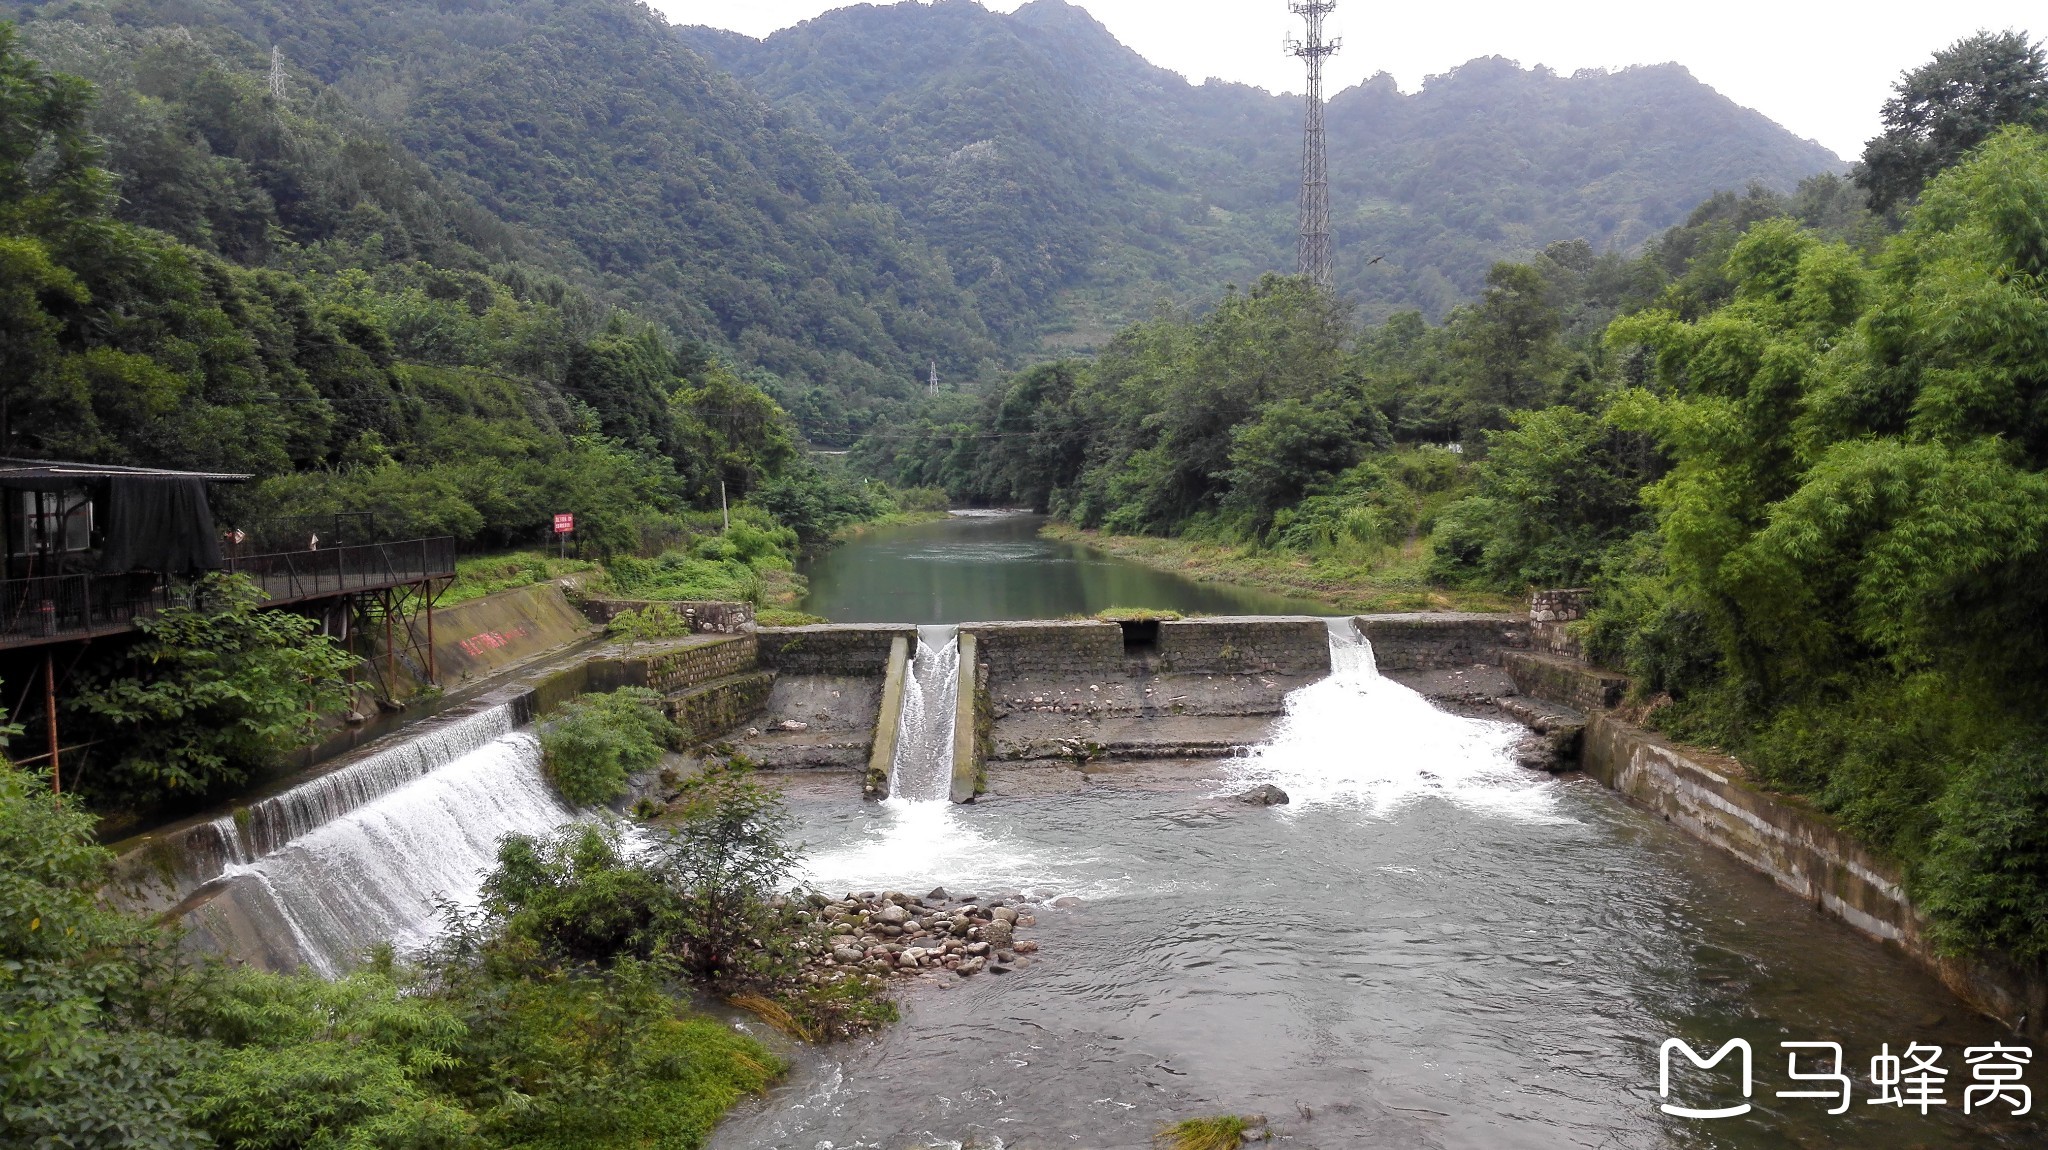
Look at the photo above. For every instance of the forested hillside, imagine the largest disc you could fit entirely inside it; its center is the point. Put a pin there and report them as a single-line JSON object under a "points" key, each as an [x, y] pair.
{"points": [[649, 177], [1071, 184], [213, 264]]}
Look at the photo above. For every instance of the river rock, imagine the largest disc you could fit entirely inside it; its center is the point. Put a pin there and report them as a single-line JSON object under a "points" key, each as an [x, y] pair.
{"points": [[977, 948], [893, 915], [1004, 914], [1026, 947], [1066, 902], [847, 955], [1264, 795], [1027, 920], [996, 935], [973, 965], [938, 895]]}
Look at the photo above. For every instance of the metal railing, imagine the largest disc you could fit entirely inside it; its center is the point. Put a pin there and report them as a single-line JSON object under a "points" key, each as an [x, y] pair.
{"points": [[61, 606], [56, 607], [288, 576]]}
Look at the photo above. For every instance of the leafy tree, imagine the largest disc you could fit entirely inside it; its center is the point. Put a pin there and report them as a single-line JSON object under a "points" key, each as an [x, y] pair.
{"points": [[1949, 105], [216, 688]]}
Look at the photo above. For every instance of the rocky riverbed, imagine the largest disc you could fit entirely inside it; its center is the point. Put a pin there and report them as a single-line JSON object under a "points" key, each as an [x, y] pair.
{"points": [[937, 936]]}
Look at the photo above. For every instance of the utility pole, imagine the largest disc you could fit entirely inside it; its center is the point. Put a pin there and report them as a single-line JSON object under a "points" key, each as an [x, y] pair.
{"points": [[1312, 249]]}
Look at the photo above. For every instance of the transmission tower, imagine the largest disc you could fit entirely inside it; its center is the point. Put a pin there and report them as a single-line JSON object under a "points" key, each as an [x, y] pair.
{"points": [[1313, 247], [933, 387], [276, 73]]}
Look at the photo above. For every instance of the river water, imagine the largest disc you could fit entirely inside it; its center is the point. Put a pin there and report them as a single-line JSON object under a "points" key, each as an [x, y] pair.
{"points": [[1429, 947], [984, 566]]}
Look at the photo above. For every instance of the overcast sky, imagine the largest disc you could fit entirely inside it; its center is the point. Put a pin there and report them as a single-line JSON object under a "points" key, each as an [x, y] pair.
{"points": [[1821, 70]]}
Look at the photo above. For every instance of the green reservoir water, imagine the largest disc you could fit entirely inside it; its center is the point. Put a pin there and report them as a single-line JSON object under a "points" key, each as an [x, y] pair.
{"points": [[993, 565]]}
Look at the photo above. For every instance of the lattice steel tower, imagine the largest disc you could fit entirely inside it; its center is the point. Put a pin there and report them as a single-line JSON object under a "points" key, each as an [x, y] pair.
{"points": [[1313, 247]]}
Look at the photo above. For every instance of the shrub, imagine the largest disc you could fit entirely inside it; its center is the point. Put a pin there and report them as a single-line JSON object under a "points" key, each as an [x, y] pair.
{"points": [[590, 748]]}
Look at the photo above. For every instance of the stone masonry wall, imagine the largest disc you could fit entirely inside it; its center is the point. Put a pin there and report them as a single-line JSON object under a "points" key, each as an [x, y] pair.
{"points": [[1274, 645], [1566, 681], [1072, 650], [673, 665], [714, 708], [1428, 641], [1551, 614], [832, 648]]}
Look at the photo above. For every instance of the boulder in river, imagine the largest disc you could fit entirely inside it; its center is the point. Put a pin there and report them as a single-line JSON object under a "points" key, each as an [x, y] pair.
{"points": [[1264, 795], [938, 895]]}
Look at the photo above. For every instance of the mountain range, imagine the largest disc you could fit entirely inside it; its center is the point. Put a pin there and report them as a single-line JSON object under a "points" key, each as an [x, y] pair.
{"points": [[855, 200]]}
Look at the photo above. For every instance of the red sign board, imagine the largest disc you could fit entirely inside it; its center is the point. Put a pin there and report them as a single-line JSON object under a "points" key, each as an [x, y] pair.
{"points": [[564, 524]]}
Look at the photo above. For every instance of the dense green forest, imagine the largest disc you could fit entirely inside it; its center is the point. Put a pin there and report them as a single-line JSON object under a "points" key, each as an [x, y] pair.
{"points": [[582, 139], [1071, 184], [213, 266], [1796, 446]]}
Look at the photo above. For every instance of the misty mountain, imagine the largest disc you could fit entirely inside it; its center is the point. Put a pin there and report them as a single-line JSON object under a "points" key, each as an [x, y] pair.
{"points": [[1070, 183]]}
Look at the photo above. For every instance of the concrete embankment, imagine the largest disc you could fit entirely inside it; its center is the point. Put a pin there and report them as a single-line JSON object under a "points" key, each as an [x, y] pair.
{"points": [[1710, 796]]}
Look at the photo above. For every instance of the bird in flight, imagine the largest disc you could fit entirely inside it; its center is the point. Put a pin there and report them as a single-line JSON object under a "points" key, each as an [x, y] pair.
{"points": [[1374, 260]]}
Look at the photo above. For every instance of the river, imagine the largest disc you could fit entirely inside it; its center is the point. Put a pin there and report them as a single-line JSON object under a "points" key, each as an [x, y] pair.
{"points": [[993, 565], [1429, 947]]}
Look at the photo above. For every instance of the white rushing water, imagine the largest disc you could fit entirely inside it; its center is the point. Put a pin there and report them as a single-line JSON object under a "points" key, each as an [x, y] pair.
{"points": [[922, 771], [267, 824], [1360, 739], [375, 873]]}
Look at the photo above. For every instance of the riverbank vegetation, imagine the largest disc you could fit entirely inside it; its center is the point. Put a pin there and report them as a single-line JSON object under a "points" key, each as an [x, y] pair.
{"points": [[559, 1013], [1795, 447]]}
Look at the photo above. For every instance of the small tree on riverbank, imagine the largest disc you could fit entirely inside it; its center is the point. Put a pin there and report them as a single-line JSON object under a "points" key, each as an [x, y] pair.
{"points": [[728, 855]]}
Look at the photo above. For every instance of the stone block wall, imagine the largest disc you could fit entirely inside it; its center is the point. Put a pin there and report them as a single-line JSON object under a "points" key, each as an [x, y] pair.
{"points": [[832, 648], [714, 708], [1429, 641], [674, 665], [1273, 645], [705, 616], [1044, 650], [1551, 614], [1577, 685]]}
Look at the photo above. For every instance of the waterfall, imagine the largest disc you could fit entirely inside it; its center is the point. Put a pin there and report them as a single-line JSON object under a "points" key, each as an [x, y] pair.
{"points": [[1363, 740], [923, 768], [378, 872], [265, 825]]}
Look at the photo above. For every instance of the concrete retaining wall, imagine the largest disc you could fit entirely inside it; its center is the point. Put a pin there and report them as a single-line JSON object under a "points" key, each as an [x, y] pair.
{"points": [[1710, 796], [831, 648], [1273, 645], [486, 635], [1432, 640], [1802, 850], [888, 722]]}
